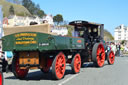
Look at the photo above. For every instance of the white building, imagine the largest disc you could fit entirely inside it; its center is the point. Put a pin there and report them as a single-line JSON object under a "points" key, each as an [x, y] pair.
{"points": [[48, 19], [25, 21], [121, 33], [22, 21], [60, 30]]}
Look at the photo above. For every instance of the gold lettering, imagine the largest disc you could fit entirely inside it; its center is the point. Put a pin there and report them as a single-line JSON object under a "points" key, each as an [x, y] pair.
{"points": [[26, 34], [25, 42]]}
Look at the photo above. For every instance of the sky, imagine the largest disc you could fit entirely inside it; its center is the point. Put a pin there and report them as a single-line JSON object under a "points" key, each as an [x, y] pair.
{"points": [[111, 13]]}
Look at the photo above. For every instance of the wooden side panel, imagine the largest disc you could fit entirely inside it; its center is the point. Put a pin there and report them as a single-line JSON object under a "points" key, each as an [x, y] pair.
{"points": [[43, 28], [31, 58]]}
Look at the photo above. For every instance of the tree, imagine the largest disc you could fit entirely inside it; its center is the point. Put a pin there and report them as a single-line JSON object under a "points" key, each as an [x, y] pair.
{"points": [[40, 13], [33, 8], [58, 19], [28, 4], [123, 41], [11, 10]]}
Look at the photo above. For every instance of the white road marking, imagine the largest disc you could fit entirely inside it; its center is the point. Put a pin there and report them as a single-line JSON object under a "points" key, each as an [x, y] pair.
{"points": [[65, 81]]}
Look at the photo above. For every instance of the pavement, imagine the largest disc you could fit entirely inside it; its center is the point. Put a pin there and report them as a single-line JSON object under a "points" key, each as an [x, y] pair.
{"points": [[116, 74]]}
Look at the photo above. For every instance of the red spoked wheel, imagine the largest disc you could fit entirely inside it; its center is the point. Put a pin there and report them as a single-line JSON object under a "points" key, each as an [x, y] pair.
{"points": [[1, 78], [98, 54], [111, 57], [76, 63], [58, 66], [45, 69], [19, 73]]}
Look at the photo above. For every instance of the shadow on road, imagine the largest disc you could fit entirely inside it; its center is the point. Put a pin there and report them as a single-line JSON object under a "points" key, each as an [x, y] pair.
{"points": [[38, 75], [91, 65]]}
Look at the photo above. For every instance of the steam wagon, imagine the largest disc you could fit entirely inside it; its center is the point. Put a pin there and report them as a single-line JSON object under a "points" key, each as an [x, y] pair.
{"points": [[39, 50]]}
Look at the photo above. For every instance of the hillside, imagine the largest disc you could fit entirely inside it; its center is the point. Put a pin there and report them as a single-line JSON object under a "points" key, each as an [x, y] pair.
{"points": [[108, 36], [19, 9]]}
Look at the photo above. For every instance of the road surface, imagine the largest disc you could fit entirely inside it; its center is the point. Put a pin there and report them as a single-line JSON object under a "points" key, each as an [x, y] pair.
{"points": [[116, 74]]}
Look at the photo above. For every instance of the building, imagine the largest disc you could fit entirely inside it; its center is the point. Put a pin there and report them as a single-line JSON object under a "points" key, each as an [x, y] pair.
{"points": [[20, 21], [14, 20], [48, 19], [59, 30], [121, 33]]}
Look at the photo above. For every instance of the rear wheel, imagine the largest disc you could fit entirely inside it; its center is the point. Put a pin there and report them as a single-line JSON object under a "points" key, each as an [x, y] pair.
{"points": [[45, 69], [58, 66], [110, 57], [98, 54], [1, 78], [76, 63], [19, 73]]}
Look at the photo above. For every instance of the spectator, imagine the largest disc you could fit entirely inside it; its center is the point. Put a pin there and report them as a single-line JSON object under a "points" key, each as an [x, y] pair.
{"points": [[118, 49], [113, 47], [125, 49], [122, 49]]}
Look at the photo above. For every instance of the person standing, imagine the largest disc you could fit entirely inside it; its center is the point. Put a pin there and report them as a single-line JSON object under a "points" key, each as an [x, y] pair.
{"points": [[113, 47], [122, 49], [118, 49]]}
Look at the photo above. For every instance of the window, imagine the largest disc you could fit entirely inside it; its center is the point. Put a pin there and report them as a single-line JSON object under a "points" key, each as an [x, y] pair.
{"points": [[119, 31], [119, 34], [119, 38]]}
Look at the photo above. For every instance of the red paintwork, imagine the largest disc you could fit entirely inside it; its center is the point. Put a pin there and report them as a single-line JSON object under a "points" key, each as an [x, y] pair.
{"points": [[79, 41], [111, 57], [20, 72], [100, 55], [49, 62], [77, 63], [1, 79], [60, 65]]}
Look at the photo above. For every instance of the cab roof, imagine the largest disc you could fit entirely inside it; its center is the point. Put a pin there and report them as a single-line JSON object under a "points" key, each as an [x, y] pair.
{"points": [[84, 23]]}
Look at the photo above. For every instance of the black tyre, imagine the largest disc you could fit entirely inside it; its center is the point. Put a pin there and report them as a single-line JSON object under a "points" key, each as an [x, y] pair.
{"points": [[76, 63], [98, 54], [82, 64], [58, 66]]}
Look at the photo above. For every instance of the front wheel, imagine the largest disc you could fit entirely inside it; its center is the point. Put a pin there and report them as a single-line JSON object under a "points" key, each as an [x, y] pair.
{"points": [[110, 57], [58, 66], [98, 54], [19, 73]]}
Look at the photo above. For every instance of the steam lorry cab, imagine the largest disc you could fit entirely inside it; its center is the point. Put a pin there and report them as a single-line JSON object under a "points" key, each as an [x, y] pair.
{"points": [[95, 46]]}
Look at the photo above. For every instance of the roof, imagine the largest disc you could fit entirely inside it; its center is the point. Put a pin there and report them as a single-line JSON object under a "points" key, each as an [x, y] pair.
{"points": [[84, 23]]}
